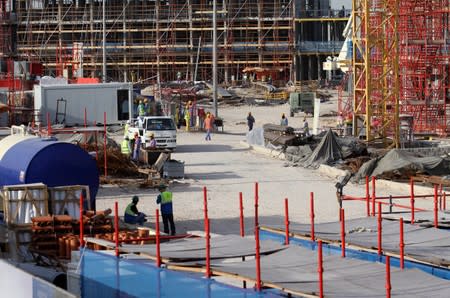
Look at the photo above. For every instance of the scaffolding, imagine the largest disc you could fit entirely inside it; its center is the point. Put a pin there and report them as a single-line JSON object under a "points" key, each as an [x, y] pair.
{"points": [[146, 38], [400, 66]]}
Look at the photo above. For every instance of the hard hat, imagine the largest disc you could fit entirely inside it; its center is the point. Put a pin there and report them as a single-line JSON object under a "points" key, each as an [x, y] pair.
{"points": [[135, 199], [128, 121], [162, 187]]}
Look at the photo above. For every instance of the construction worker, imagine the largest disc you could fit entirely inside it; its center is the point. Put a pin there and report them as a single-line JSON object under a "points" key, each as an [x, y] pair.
{"points": [[125, 146], [126, 126], [208, 126], [187, 117], [152, 143], [165, 199], [348, 125], [305, 127], [132, 215], [146, 107], [250, 121], [136, 147], [284, 120], [141, 108]]}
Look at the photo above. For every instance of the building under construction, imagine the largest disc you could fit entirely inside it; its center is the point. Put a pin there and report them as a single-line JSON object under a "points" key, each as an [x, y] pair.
{"points": [[136, 40], [400, 65]]}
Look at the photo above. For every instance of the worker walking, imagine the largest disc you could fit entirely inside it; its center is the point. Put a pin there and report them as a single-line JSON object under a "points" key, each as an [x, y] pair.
{"points": [[284, 120], [250, 121], [132, 215], [125, 146], [165, 199], [208, 126]]}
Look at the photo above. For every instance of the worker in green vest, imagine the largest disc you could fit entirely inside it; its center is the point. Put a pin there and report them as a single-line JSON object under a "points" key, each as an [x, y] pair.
{"points": [[165, 199], [125, 146], [141, 108], [126, 126], [132, 215]]}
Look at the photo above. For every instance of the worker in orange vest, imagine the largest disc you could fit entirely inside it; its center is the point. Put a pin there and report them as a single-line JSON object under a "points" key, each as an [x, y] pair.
{"points": [[208, 126]]}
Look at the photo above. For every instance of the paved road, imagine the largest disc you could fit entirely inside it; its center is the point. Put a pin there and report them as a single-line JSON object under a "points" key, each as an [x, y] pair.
{"points": [[226, 168]]}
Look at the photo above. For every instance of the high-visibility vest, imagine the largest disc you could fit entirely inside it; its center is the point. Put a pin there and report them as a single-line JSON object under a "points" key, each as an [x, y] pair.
{"points": [[125, 132], [128, 210], [166, 197], [125, 149], [141, 110]]}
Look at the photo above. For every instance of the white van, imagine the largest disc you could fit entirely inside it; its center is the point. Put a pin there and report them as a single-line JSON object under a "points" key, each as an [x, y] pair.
{"points": [[162, 127]]}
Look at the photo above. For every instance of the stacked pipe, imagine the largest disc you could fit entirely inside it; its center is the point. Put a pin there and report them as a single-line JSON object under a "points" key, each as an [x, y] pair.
{"points": [[48, 232]]}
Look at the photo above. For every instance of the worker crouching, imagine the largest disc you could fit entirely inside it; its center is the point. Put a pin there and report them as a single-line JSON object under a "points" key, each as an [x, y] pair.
{"points": [[132, 215]]}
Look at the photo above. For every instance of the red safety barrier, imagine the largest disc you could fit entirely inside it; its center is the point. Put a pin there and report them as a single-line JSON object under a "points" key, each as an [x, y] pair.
{"points": [[257, 247], [49, 126], [116, 226], [104, 145], [257, 260], [256, 204], [81, 221], [367, 196], [373, 196], [320, 268], [241, 215], [312, 215], [208, 251], [85, 126], [445, 202], [411, 182], [157, 240], [205, 205], [161, 237], [436, 221], [343, 232], [388, 277], [286, 221], [379, 229], [207, 232], [402, 245], [350, 198]]}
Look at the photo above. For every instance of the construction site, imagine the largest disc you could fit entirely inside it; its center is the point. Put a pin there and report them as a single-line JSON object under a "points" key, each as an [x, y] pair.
{"points": [[288, 148]]}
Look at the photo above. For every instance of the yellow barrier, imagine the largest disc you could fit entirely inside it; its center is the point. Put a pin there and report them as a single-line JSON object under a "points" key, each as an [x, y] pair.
{"points": [[277, 95]]}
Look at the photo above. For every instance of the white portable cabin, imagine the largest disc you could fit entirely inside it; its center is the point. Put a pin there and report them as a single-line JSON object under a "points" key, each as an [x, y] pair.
{"points": [[73, 99]]}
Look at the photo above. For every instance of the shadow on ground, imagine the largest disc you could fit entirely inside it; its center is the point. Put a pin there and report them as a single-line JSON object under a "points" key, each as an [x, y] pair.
{"points": [[213, 175], [207, 148], [228, 226]]}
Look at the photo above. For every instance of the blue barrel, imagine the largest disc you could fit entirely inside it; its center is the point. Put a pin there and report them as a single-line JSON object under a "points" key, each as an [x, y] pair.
{"points": [[54, 163]]}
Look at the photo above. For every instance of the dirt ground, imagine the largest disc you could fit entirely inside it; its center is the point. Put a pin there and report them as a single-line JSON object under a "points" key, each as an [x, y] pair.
{"points": [[226, 167]]}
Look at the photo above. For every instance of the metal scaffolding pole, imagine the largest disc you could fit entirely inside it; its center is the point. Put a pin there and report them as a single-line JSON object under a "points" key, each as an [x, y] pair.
{"points": [[215, 57], [104, 42]]}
